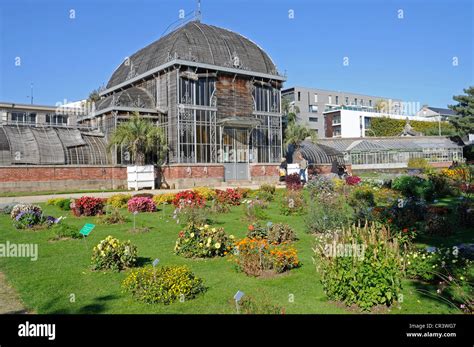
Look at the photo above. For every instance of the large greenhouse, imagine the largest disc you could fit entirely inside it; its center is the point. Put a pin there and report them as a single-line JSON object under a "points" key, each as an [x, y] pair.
{"points": [[395, 152], [214, 92]]}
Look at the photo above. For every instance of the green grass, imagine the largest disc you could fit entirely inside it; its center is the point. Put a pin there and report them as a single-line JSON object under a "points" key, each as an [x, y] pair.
{"points": [[63, 269]]}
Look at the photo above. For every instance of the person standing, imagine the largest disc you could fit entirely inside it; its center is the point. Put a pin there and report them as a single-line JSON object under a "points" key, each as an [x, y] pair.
{"points": [[303, 167], [283, 169]]}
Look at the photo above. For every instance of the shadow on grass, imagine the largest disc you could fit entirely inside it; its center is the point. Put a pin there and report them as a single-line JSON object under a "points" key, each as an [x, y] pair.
{"points": [[98, 305]]}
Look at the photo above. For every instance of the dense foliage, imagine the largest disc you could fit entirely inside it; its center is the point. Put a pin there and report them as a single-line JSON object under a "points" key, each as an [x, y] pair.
{"points": [[163, 285]]}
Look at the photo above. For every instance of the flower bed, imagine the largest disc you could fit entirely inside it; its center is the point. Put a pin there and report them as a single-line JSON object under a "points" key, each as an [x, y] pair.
{"points": [[189, 198], [141, 204], [113, 254], [257, 257], [163, 285], [229, 196], [88, 206], [203, 242]]}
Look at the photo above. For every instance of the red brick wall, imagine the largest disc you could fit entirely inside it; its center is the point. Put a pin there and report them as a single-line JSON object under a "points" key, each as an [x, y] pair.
{"points": [[193, 171], [60, 173], [264, 170]]}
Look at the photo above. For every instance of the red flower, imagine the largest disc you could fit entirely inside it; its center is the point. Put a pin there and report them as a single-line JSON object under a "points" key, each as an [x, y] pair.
{"points": [[405, 230], [251, 227]]}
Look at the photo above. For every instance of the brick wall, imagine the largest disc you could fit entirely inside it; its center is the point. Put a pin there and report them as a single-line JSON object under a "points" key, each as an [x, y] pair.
{"points": [[55, 178]]}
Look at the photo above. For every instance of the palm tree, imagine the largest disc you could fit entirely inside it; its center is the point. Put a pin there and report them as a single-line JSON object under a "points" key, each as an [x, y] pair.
{"points": [[295, 133], [141, 137]]}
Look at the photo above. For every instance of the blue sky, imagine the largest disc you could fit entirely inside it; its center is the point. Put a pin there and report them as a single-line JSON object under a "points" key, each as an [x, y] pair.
{"points": [[409, 58]]}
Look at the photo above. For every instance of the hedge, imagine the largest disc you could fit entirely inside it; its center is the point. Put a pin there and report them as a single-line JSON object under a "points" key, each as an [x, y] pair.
{"points": [[393, 127]]}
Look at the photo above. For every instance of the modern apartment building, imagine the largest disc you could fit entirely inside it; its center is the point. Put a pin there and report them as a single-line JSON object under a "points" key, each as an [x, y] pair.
{"points": [[352, 122], [313, 102]]}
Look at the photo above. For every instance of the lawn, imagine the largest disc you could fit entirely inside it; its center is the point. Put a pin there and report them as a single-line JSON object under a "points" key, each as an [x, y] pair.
{"points": [[61, 280]]}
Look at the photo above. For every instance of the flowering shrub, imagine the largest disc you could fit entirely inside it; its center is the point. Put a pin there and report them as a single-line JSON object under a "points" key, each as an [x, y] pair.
{"points": [[458, 173], [257, 231], [163, 285], [353, 180], [328, 215], [88, 206], [280, 233], [119, 200], [17, 209], [433, 264], [256, 257], [275, 233], [165, 198], [293, 182], [293, 203], [203, 242], [386, 196], [28, 220], [359, 265], [229, 196], [112, 254], [189, 198], [244, 192], [141, 205], [269, 188], [206, 192], [320, 185]]}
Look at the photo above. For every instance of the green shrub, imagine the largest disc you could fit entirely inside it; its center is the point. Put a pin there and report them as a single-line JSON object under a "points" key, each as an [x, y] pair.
{"points": [[64, 204], [328, 215], [320, 185], [112, 216], [439, 187], [360, 265], [62, 230], [251, 305], [412, 186], [362, 199], [264, 195], [203, 242], [163, 285], [280, 233], [254, 209], [293, 203], [436, 264], [112, 254], [268, 188], [119, 200]]}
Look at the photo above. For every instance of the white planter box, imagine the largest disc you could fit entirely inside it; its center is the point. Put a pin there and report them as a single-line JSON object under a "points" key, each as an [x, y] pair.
{"points": [[141, 177]]}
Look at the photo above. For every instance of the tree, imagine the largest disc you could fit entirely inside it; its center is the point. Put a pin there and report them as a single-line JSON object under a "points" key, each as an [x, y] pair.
{"points": [[464, 121], [94, 96], [295, 133], [141, 137]]}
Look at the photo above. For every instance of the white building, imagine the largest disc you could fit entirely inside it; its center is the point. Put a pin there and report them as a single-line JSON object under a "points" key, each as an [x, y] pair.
{"points": [[348, 121]]}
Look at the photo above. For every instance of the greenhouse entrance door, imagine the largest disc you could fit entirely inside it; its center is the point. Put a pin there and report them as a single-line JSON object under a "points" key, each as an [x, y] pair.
{"points": [[235, 149]]}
